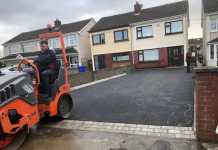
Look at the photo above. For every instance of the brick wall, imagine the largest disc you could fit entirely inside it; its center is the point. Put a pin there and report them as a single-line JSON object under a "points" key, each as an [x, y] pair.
{"points": [[163, 62], [111, 64], [80, 78], [86, 77], [108, 60], [206, 104]]}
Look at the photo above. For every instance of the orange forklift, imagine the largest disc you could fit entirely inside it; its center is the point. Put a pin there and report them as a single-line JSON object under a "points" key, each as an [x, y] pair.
{"points": [[20, 105]]}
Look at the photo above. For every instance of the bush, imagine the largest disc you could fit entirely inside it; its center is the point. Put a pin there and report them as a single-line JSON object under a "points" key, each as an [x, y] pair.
{"points": [[2, 64], [89, 62]]}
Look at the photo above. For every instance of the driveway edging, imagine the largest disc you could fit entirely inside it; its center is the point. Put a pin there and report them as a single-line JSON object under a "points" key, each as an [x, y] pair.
{"points": [[135, 129], [96, 82]]}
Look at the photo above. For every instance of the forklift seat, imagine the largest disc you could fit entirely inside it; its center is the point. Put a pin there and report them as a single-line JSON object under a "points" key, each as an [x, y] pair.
{"points": [[58, 82]]}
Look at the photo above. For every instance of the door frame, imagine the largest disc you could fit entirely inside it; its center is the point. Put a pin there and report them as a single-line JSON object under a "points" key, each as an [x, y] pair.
{"points": [[180, 62], [99, 61]]}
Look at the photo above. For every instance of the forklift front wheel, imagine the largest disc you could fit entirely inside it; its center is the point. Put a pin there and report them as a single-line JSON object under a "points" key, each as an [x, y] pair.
{"points": [[65, 107]]}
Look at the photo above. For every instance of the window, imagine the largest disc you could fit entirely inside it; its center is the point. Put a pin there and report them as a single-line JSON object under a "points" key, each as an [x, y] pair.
{"points": [[70, 40], [173, 27], [53, 43], [13, 49], [121, 35], [211, 51], [149, 55], [144, 32], [98, 39], [120, 57], [214, 24], [74, 61], [29, 47]]}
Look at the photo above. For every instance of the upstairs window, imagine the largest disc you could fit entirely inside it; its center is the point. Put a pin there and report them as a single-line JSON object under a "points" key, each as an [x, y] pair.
{"points": [[13, 49], [29, 47], [70, 40], [211, 51], [144, 32], [214, 24], [53, 43], [98, 39], [173, 27], [121, 35]]}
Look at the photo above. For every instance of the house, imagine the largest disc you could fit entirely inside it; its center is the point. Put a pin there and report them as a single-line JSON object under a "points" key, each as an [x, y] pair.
{"points": [[76, 41], [210, 31], [153, 37]]}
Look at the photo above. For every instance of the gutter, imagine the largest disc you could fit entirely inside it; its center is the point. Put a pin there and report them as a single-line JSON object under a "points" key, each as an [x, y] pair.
{"points": [[132, 47]]}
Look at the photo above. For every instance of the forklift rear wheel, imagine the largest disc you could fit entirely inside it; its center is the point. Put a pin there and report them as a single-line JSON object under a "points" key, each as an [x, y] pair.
{"points": [[65, 107]]}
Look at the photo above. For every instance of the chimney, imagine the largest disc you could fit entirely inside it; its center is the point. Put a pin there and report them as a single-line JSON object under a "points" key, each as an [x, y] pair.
{"points": [[57, 25], [137, 8]]}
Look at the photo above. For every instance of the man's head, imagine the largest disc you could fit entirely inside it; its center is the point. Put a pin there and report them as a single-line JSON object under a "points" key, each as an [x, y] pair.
{"points": [[44, 45]]}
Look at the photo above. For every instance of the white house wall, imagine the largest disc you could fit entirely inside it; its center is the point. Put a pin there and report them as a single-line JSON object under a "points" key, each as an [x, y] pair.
{"points": [[159, 38], [208, 36], [84, 42], [30, 46], [12, 49], [18, 47]]}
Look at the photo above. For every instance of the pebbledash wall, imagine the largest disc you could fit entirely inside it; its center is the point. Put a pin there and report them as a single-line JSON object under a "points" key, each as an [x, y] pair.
{"points": [[206, 104]]}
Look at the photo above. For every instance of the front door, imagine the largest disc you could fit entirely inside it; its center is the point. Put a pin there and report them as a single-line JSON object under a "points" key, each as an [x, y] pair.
{"points": [[99, 62], [176, 56]]}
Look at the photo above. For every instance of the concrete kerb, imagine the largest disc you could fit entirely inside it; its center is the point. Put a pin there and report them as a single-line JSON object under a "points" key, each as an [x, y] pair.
{"points": [[96, 82], [163, 131]]}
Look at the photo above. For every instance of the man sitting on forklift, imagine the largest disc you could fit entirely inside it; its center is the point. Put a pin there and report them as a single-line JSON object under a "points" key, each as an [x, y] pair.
{"points": [[46, 63]]}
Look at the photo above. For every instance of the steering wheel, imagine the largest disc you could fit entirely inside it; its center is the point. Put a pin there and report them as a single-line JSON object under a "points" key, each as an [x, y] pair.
{"points": [[36, 71]]}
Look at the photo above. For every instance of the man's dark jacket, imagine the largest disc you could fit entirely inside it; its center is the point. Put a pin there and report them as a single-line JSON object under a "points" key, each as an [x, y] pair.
{"points": [[46, 60]]}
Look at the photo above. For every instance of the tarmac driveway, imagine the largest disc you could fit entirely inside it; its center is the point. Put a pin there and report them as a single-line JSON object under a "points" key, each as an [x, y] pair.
{"points": [[151, 97]]}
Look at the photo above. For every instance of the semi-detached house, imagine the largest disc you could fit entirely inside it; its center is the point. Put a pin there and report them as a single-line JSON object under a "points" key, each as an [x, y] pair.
{"points": [[210, 32], [153, 37], [76, 38]]}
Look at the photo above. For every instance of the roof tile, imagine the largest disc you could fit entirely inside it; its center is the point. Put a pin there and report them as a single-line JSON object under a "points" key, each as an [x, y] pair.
{"points": [[124, 20], [65, 28], [210, 6]]}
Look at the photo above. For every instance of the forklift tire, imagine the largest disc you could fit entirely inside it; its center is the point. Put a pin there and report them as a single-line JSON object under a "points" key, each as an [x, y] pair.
{"points": [[65, 107]]}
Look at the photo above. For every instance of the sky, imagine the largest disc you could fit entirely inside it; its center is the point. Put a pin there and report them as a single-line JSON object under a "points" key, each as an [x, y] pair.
{"points": [[18, 16]]}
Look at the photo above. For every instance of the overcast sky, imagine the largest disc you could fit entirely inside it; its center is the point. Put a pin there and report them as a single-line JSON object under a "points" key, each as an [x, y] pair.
{"points": [[18, 16]]}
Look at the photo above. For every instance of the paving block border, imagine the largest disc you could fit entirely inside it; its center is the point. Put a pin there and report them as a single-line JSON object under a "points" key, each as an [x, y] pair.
{"points": [[97, 81], [136, 129]]}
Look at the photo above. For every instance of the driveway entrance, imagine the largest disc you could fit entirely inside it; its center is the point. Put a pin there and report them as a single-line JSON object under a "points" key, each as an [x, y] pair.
{"points": [[161, 97]]}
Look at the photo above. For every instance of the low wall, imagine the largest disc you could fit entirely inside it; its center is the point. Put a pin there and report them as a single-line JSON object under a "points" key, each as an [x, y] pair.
{"points": [[86, 77], [206, 104], [80, 78]]}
